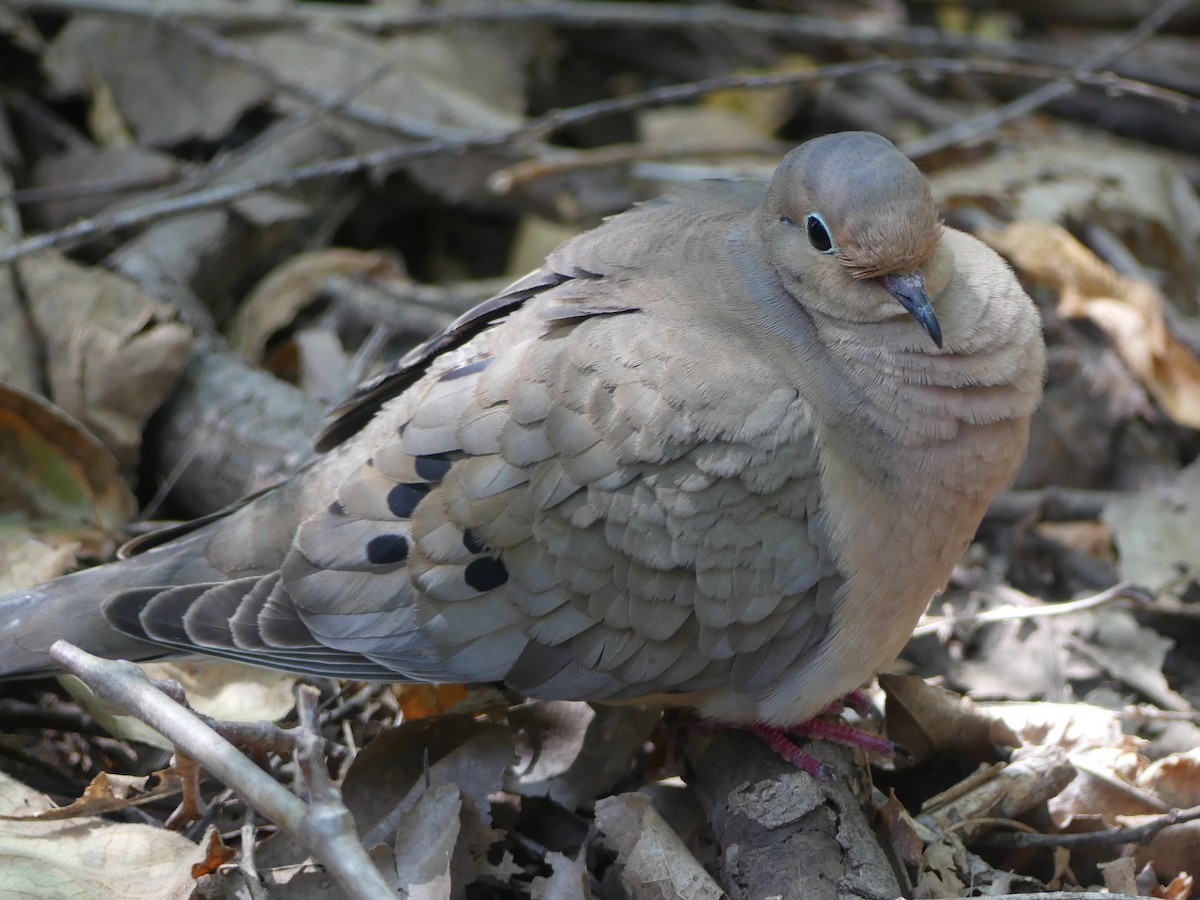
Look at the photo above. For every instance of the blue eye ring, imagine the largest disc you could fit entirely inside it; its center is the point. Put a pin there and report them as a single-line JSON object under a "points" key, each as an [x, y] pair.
{"points": [[819, 235]]}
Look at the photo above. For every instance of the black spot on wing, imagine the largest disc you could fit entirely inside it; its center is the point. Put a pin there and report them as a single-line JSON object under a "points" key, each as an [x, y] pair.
{"points": [[387, 549], [472, 542], [485, 573], [403, 499], [433, 467]]}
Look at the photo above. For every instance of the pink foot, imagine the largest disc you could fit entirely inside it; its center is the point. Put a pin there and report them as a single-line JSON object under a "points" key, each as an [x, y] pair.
{"points": [[846, 735], [777, 739]]}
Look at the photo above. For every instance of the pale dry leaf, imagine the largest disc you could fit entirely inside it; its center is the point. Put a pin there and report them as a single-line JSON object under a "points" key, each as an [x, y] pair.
{"points": [[1021, 660], [446, 82], [105, 123], [1120, 876], [88, 858], [1069, 726], [755, 115], [655, 863], [1132, 652], [165, 85], [1104, 787], [229, 691], [568, 879], [1155, 532], [27, 558], [114, 352], [426, 841], [676, 130], [323, 365], [125, 727], [1090, 538], [1129, 311]]}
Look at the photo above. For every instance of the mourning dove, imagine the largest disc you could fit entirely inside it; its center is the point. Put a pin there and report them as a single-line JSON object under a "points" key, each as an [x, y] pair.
{"points": [[719, 451]]}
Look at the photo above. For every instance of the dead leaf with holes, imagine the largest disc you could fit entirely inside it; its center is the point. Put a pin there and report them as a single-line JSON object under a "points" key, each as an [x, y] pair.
{"points": [[110, 793]]}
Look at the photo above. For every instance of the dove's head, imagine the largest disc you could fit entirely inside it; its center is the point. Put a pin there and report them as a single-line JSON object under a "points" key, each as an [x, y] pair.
{"points": [[851, 220]]}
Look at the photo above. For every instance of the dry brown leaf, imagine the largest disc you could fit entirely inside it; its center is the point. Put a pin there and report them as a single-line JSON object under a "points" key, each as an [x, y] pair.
{"points": [[111, 792], [574, 752], [1068, 726], [1179, 888], [1105, 788], [60, 493], [114, 353], [1130, 312], [1174, 779], [903, 833], [1136, 193], [287, 290], [925, 718], [427, 841], [54, 469], [420, 701], [1091, 538], [216, 854], [390, 774]]}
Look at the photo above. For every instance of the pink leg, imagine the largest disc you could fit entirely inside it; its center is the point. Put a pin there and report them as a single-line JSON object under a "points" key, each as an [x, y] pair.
{"points": [[777, 739], [846, 735]]}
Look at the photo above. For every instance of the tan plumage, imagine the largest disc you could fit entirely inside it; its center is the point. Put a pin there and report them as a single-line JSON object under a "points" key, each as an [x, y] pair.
{"points": [[693, 455]]}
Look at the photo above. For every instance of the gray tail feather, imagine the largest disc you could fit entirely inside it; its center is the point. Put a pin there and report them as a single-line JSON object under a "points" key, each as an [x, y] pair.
{"points": [[71, 608]]}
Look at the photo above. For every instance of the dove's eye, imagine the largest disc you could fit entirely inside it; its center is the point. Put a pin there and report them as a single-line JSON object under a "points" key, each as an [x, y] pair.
{"points": [[818, 233]]}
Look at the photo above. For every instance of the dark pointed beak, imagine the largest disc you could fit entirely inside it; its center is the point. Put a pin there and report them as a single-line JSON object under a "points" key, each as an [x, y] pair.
{"points": [[909, 290]]}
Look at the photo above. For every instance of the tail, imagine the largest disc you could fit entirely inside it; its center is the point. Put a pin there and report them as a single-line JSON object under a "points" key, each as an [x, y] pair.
{"points": [[247, 540], [70, 608]]}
